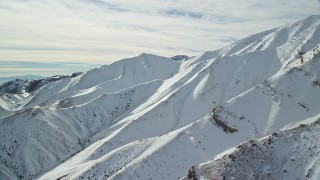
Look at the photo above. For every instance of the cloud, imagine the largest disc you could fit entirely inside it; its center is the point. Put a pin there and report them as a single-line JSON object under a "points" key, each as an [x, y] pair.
{"points": [[228, 19], [14, 68], [102, 31], [106, 5], [183, 13]]}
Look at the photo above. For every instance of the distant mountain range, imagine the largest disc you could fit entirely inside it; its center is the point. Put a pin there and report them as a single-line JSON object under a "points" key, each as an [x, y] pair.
{"points": [[247, 111], [28, 84], [31, 77]]}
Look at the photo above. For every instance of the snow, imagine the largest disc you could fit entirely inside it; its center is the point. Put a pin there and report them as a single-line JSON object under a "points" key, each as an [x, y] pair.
{"points": [[155, 117], [287, 154]]}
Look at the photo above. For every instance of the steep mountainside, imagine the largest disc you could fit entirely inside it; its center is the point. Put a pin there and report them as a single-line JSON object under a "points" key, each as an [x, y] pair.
{"points": [[151, 117], [287, 154]]}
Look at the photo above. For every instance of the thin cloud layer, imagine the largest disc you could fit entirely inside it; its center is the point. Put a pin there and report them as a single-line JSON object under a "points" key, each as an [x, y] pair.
{"points": [[18, 68], [102, 31]]}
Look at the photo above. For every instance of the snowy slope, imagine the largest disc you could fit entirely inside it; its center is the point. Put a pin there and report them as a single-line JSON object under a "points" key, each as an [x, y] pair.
{"points": [[155, 117], [287, 154]]}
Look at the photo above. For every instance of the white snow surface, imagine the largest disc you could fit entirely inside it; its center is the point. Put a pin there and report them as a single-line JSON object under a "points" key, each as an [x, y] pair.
{"points": [[151, 117], [287, 154]]}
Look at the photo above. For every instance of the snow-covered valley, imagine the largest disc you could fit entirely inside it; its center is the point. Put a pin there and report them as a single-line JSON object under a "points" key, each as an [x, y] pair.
{"points": [[152, 117]]}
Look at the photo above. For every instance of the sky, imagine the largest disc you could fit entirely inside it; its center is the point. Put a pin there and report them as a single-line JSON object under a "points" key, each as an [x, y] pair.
{"points": [[45, 69], [99, 32]]}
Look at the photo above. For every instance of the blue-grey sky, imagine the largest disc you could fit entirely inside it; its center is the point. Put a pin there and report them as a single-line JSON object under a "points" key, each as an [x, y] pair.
{"points": [[19, 68], [102, 31]]}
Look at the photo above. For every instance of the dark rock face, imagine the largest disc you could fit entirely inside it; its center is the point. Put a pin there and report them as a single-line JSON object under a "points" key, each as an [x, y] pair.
{"points": [[180, 58]]}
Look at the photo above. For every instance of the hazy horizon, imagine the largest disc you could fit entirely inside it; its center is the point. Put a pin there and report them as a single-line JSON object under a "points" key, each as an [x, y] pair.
{"points": [[45, 69]]}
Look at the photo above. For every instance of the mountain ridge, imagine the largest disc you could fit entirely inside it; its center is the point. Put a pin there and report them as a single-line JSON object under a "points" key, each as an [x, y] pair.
{"points": [[154, 117]]}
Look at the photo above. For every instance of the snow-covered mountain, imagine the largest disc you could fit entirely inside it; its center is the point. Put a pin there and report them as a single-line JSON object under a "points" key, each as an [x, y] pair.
{"points": [[151, 117], [10, 78], [287, 154], [25, 85]]}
